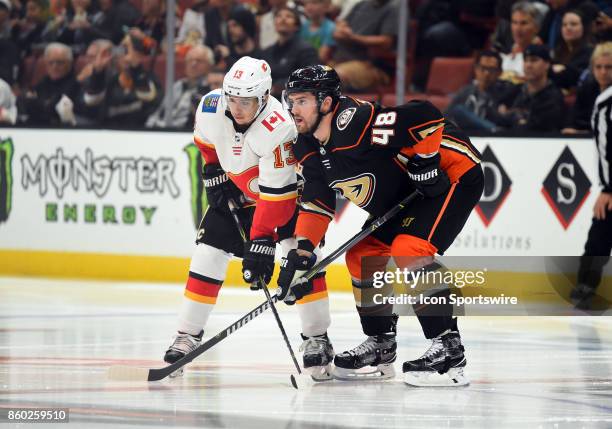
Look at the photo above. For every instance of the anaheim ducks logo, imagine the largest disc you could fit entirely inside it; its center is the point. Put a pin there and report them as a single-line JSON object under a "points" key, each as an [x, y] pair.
{"points": [[358, 189], [345, 117]]}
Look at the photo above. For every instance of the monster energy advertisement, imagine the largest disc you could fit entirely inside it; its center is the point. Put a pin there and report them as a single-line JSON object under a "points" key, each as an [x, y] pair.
{"points": [[100, 191], [6, 178], [198, 196]]}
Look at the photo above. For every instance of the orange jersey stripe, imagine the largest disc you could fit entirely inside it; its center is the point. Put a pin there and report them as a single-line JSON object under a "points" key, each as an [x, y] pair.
{"points": [[200, 298], [313, 297], [448, 197], [268, 197], [312, 226], [202, 287], [309, 154], [207, 150]]}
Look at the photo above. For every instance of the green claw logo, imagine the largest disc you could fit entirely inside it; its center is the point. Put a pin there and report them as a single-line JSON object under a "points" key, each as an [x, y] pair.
{"points": [[199, 203], [6, 178]]}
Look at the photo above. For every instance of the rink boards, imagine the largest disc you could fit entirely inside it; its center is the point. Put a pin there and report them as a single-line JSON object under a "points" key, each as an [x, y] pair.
{"points": [[125, 205]]}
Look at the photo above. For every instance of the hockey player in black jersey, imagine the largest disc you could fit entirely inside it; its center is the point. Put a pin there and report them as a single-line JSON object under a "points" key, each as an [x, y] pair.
{"points": [[375, 156]]}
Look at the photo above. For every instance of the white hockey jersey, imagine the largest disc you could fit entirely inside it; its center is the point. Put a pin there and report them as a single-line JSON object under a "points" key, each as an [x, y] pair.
{"points": [[259, 161]]}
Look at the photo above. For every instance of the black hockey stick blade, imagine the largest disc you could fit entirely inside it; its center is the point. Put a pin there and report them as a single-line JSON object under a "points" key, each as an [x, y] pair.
{"points": [[131, 373]]}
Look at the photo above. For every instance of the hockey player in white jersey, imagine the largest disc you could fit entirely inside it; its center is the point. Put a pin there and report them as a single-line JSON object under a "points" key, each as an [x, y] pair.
{"points": [[246, 137]]}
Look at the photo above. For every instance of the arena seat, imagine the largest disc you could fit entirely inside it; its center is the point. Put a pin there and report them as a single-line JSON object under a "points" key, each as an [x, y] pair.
{"points": [[447, 75], [159, 68]]}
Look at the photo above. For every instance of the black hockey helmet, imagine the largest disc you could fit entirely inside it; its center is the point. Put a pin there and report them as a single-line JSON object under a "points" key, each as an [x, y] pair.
{"points": [[320, 80]]}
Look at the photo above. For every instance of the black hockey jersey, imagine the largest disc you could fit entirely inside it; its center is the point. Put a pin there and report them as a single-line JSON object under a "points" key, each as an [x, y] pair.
{"points": [[366, 155]]}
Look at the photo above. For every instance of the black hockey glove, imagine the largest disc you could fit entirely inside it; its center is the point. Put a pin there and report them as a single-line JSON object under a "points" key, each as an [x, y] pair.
{"points": [[427, 176], [219, 188], [291, 264], [258, 260]]}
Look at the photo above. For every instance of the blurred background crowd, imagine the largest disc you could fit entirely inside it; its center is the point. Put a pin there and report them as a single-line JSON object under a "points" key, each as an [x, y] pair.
{"points": [[492, 65]]}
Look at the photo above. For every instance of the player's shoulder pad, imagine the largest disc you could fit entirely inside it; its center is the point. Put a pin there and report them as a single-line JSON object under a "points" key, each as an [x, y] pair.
{"points": [[210, 102], [275, 124], [351, 119], [413, 121], [416, 113], [352, 111]]}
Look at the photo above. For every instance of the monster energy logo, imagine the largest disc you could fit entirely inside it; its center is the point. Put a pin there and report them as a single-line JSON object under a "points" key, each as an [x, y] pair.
{"points": [[6, 178], [199, 203]]}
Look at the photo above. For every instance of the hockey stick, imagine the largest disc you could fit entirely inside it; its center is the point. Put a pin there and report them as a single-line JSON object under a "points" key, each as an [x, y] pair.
{"points": [[377, 223], [123, 373], [262, 285]]}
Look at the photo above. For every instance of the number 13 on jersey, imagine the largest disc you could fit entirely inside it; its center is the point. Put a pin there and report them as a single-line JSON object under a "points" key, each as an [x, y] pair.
{"points": [[286, 154]]}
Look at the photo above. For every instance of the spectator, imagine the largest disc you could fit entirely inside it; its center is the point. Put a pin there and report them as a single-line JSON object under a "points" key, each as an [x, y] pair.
{"points": [[290, 52], [573, 51], [525, 25], [474, 106], [187, 92], [267, 28], [241, 29], [342, 8], [8, 105], [215, 22], [150, 29], [445, 28], [5, 25], [539, 105], [317, 29], [371, 25], [112, 19], [215, 78], [551, 24], [72, 27], [191, 31], [27, 32], [597, 82], [131, 94], [9, 61], [52, 101], [603, 25], [501, 39], [99, 57]]}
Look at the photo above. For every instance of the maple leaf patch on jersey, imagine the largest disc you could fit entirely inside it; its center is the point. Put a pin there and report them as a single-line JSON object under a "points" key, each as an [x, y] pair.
{"points": [[272, 120], [209, 105]]}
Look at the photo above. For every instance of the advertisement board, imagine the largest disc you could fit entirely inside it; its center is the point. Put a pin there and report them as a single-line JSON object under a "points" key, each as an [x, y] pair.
{"points": [[126, 204]]}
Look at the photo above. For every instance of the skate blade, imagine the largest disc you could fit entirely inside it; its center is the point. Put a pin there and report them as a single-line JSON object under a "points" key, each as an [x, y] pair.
{"points": [[320, 373], [453, 378], [369, 373]]}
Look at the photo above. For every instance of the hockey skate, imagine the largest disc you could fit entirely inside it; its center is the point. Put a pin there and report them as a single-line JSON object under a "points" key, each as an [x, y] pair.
{"points": [[582, 296], [371, 360], [441, 365], [183, 343], [318, 357]]}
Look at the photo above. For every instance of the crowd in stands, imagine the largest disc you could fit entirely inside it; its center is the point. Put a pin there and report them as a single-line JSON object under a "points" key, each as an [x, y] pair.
{"points": [[491, 65]]}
